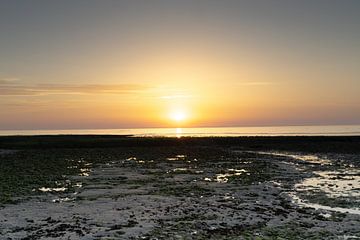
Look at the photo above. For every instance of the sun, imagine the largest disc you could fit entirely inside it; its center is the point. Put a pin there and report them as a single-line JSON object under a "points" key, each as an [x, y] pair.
{"points": [[178, 116]]}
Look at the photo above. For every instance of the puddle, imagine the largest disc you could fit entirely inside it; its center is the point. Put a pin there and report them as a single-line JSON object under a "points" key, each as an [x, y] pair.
{"points": [[348, 237], [303, 203], [224, 177], [60, 200], [132, 159], [302, 157], [180, 169], [85, 172], [176, 158], [341, 183], [228, 196], [44, 189]]}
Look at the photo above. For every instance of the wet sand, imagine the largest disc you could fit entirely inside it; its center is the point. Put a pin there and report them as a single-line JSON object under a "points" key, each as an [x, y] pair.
{"points": [[202, 188]]}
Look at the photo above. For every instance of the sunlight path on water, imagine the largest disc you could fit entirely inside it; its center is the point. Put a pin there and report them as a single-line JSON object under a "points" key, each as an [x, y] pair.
{"points": [[336, 130]]}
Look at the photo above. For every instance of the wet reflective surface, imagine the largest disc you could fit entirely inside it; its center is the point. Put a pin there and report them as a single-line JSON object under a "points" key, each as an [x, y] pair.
{"points": [[334, 184], [188, 192]]}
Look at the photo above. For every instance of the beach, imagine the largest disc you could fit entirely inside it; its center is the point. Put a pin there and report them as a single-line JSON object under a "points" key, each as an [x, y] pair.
{"points": [[179, 120], [124, 187]]}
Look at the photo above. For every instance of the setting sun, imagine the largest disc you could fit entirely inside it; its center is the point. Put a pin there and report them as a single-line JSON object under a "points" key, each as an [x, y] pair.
{"points": [[178, 116]]}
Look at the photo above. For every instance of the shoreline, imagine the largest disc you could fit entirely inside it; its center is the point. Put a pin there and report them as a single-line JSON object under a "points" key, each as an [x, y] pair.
{"points": [[336, 144]]}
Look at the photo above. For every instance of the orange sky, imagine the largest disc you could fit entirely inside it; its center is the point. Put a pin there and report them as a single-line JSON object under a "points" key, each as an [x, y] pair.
{"points": [[180, 64]]}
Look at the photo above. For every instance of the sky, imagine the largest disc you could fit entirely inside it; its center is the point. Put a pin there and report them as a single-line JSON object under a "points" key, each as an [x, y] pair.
{"points": [[90, 64]]}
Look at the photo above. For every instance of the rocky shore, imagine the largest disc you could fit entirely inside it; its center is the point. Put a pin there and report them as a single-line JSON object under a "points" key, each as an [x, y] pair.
{"points": [[181, 191]]}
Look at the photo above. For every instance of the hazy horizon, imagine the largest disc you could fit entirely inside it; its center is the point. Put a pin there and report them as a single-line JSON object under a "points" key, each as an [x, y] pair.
{"points": [[139, 64]]}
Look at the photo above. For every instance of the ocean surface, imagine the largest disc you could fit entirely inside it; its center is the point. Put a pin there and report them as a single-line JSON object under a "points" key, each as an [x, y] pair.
{"points": [[331, 130]]}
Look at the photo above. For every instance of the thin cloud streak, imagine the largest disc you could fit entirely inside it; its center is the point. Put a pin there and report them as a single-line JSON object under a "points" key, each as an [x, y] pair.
{"points": [[257, 83], [8, 80], [62, 89]]}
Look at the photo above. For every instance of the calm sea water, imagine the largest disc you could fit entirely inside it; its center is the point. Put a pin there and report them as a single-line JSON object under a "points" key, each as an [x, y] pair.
{"points": [[336, 130]]}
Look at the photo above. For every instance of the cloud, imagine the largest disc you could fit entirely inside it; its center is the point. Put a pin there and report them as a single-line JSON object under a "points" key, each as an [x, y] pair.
{"points": [[8, 80], [256, 83], [62, 89]]}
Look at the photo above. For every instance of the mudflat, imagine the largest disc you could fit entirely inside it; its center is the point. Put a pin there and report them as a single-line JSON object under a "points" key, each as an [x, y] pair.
{"points": [[123, 187]]}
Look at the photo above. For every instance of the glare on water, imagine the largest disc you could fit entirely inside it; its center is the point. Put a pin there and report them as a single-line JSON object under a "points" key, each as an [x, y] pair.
{"points": [[336, 130]]}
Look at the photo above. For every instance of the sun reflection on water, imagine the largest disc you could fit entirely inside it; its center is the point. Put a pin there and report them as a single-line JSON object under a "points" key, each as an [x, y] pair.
{"points": [[179, 132]]}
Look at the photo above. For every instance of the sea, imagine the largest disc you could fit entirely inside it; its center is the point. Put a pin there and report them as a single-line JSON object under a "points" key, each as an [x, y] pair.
{"points": [[329, 130]]}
